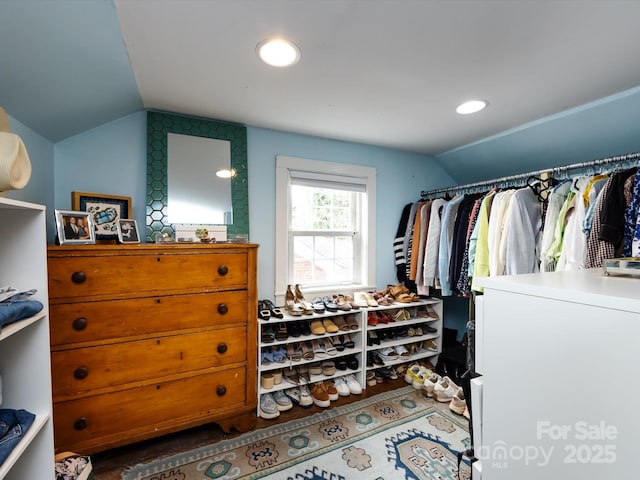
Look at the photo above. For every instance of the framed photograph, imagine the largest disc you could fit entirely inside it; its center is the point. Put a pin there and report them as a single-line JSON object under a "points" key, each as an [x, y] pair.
{"points": [[106, 210], [75, 227], [128, 231]]}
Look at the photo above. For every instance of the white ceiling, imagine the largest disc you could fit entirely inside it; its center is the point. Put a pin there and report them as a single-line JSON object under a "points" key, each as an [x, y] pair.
{"points": [[381, 72]]}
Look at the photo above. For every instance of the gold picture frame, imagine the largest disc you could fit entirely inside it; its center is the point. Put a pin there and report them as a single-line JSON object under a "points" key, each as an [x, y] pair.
{"points": [[105, 210]]}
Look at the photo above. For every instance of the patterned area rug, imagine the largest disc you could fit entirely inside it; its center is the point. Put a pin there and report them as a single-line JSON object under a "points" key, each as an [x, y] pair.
{"points": [[392, 435]]}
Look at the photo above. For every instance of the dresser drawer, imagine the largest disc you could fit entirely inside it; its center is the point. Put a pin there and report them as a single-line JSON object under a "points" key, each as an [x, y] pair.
{"points": [[116, 319], [101, 275], [106, 419], [83, 369]]}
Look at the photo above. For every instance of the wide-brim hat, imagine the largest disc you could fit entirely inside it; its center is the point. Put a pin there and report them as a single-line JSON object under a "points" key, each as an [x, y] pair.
{"points": [[15, 166]]}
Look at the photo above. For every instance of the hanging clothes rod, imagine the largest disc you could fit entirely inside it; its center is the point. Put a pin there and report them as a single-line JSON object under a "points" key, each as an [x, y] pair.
{"points": [[511, 178]]}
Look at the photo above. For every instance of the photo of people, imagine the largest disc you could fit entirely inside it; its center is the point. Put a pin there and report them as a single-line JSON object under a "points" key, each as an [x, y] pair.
{"points": [[128, 231], [74, 227]]}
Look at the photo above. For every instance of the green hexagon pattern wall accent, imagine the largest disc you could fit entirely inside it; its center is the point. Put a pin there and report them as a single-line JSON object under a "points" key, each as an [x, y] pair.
{"points": [[158, 125]]}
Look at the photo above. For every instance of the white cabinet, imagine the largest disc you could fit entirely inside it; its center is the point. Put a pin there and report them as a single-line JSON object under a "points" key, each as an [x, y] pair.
{"points": [[24, 345], [559, 376]]}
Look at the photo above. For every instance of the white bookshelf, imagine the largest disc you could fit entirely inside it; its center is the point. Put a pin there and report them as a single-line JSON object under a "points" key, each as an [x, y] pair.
{"points": [[24, 346]]}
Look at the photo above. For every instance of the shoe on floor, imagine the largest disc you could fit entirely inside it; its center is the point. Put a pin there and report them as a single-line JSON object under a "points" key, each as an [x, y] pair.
{"points": [[282, 401], [320, 395], [444, 390], [268, 406], [342, 387], [412, 373], [306, 400], [429, 384], [331, 390], [466, 413], [354, 386], [458, 404]]}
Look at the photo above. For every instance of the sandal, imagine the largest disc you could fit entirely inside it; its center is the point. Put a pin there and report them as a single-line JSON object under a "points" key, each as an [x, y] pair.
{"points": [[267, 334], [337, 344], [329, 304], [341, 302], [318, 305], [329, 348], [388, 353], [341, 323], [279, 354], [273, 310], [266, 356], [281, 332], [346, 341], [372, 319], [401, 350], [352, 322], [315, 368], [263, 312], [303, 373], [293, 353], [319, 349], [291, 376], [307, 351], [399, 293]]}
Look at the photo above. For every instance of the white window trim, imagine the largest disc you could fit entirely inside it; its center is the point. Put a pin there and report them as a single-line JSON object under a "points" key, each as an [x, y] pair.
{"points": [[283, 165]]}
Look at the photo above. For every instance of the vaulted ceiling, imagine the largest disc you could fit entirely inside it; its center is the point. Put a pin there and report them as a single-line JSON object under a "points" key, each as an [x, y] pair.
{"points": [[380, 72]]}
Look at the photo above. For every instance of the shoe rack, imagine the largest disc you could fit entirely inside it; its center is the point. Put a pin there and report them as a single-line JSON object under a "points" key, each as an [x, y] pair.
{"points": [[407, 332], [290, 367], [280, 370]]}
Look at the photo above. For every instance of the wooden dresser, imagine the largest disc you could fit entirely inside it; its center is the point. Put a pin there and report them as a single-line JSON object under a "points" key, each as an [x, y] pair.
{"points": [[149, 339]]}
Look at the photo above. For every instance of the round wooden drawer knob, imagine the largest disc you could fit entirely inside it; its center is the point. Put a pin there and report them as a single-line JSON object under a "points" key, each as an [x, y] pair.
{"points": [[81, 423], [222, 309], [222, 348], [81, 373], [79, 324], [221, 390], [223, 270], [78, 277]]}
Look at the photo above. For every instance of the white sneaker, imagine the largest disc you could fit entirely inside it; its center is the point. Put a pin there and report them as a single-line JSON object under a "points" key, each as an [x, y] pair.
{"points": [[306, 400], [458, 404], [412, 373], [430, 383], [342, 387], [353, 385], [282, 401], [268, 406], [444, 390]]}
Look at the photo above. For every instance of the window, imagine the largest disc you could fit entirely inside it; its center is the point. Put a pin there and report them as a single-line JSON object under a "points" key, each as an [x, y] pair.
{"points": [[325, 225]]}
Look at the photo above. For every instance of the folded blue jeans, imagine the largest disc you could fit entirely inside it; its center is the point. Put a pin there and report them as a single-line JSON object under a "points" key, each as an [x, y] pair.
{"points": [[13, 311], [13, 425]]}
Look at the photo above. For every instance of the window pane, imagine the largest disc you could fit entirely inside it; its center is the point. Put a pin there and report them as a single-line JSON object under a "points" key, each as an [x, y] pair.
{"points": [[321, 209], [322, 259]]}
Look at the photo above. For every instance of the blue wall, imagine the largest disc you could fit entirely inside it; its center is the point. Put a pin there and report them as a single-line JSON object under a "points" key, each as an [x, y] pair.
{"points": [[608, 127], [111, 159], [400, 178], [40, 188]]}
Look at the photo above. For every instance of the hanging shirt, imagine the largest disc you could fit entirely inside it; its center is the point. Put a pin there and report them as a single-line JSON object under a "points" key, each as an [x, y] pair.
{"points": [[481, 257], [631, 218], [519, 244], [430, 272], [574, 244], [449, 214], [555, 201], [496, 226]]}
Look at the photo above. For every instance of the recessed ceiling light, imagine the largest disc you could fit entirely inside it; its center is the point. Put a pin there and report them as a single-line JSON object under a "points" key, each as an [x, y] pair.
{"points": [[472, 106], [226, 173], [278, 52]]}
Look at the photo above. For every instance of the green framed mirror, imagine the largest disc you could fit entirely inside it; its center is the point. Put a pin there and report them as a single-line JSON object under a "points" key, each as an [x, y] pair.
{"points": [[159, 126]]}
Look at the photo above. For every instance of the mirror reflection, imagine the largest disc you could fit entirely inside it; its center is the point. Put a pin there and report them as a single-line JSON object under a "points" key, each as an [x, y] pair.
{"points": [[204, 198]]}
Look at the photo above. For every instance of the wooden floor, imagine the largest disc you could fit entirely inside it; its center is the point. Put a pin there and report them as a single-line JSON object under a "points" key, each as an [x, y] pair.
{"points": [[108, 465]]}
